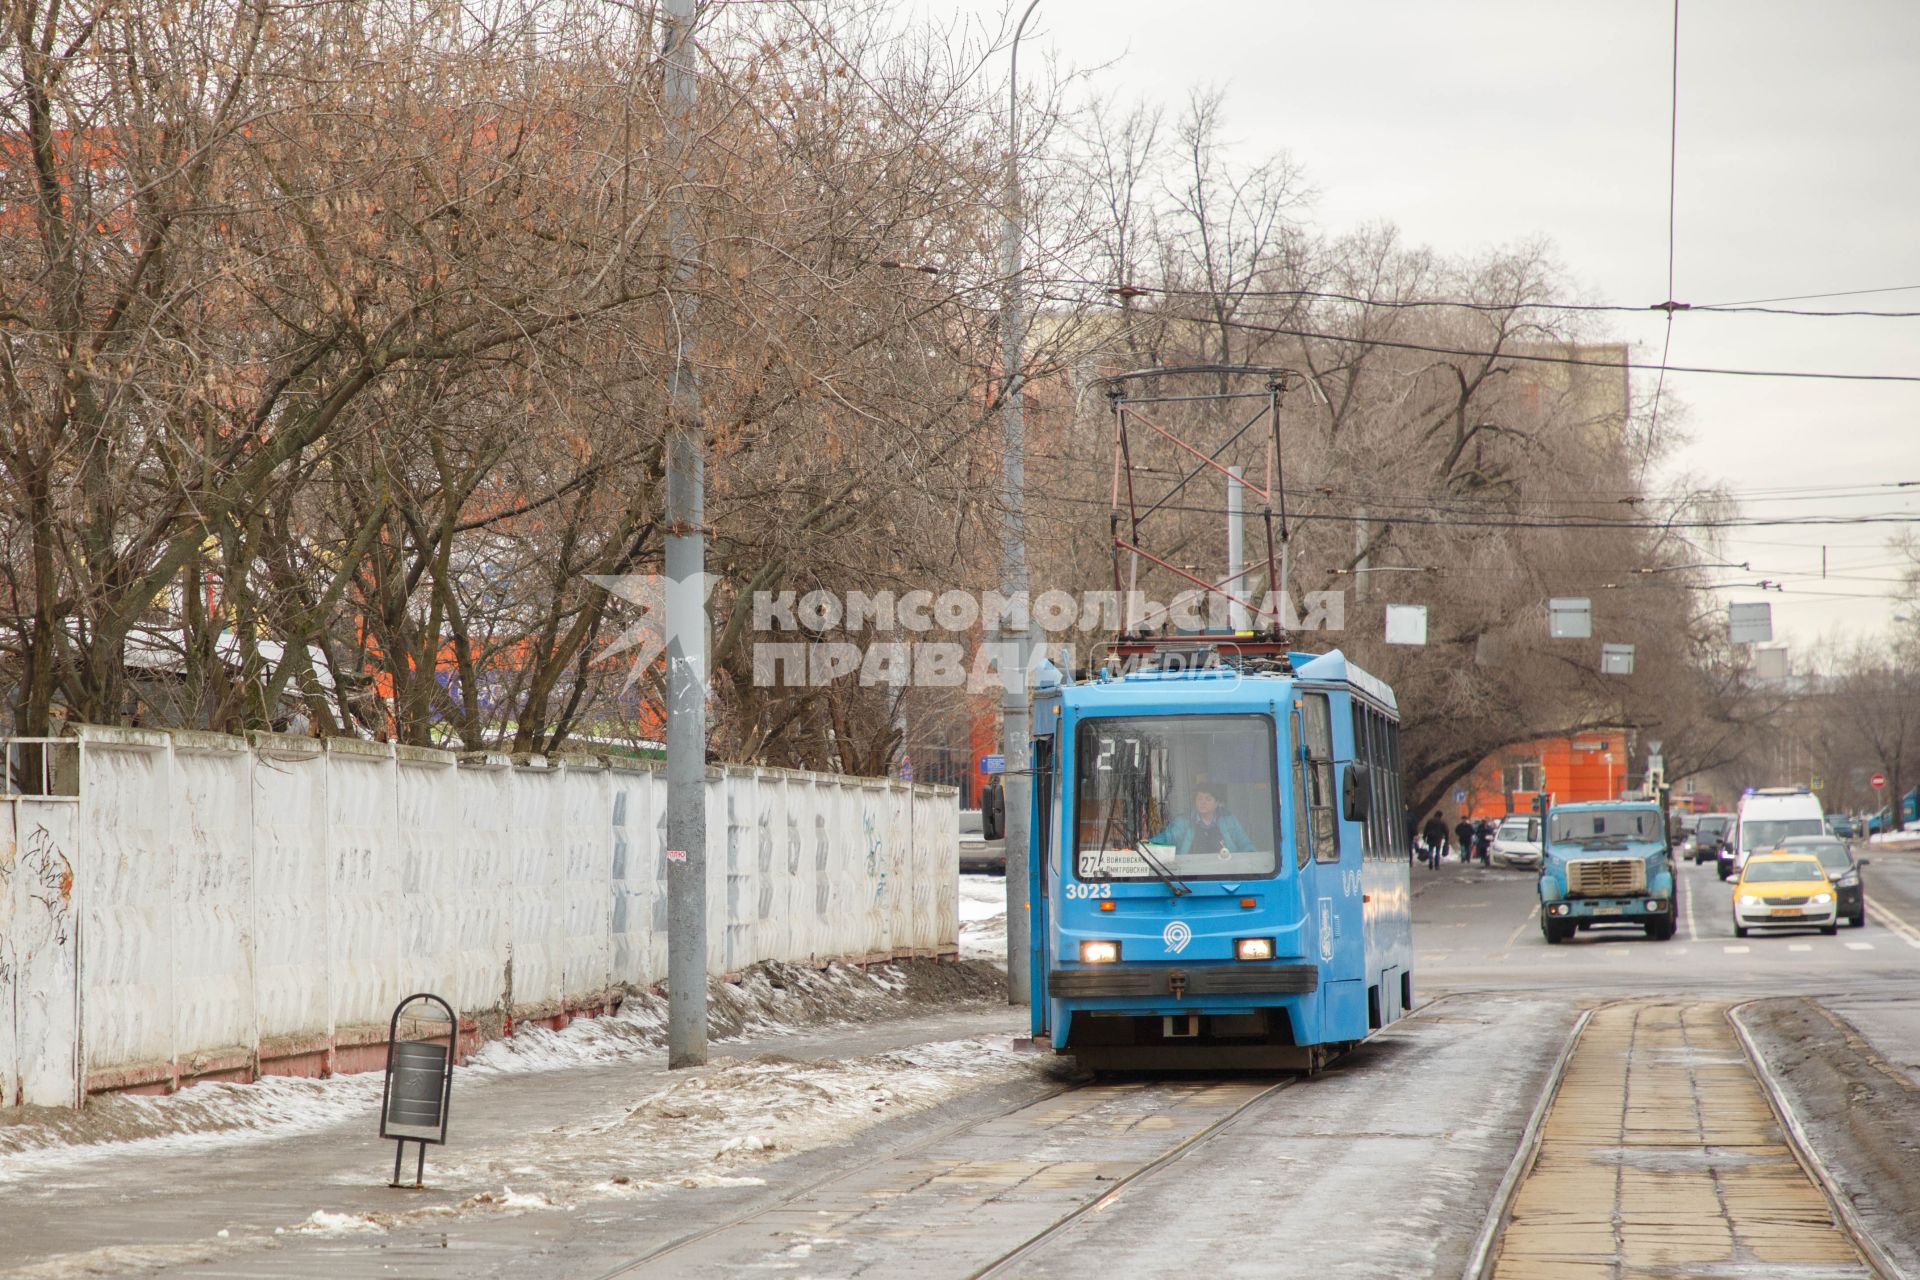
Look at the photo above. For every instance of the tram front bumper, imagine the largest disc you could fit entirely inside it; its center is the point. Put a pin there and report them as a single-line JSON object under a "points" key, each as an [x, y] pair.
{"points": [[1169, 980]]}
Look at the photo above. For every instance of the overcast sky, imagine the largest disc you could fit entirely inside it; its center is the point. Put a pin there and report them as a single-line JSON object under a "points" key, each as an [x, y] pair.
{"points": [[1478, 123]]}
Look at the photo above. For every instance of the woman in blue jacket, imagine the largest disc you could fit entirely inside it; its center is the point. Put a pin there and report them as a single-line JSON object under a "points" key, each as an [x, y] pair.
{"points": [[1208, 829]]}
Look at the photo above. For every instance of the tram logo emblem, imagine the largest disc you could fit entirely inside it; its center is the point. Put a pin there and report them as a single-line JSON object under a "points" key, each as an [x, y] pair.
{"points": [[1350, 882], [1176, 935], [1326, 928]]}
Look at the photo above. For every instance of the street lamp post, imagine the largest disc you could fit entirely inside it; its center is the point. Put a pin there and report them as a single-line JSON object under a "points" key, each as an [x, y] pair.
{"points": [[1017, 785], [686, 605]]}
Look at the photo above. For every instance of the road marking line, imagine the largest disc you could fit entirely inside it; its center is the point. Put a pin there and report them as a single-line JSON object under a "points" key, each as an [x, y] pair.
{"points": [[1859, 946], [1888, 920], [1801, 946], [1531, 922], [1693, 930], [1736, 951]]}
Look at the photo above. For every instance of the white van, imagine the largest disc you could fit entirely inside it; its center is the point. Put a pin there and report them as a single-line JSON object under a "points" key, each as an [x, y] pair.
{"points": [[1773, 814]]}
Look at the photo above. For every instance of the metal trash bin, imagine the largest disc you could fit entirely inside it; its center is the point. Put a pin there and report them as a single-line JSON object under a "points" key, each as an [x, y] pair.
{"points": [[418, 1092]]}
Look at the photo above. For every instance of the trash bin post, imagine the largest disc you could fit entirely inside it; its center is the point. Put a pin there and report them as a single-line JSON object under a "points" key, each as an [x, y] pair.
{"points": [[418, 1091]]}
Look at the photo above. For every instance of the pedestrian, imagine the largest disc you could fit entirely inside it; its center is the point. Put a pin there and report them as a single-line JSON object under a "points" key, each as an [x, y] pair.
{"points": [[1483, 841], [1435, 833], [1463, 832]]}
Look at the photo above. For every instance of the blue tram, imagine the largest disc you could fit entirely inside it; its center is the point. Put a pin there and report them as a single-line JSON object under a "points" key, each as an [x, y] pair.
{"points": [[1219, 862]]}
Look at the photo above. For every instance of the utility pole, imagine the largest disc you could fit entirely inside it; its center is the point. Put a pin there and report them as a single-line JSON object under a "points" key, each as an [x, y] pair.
{"points": [[1016, 783], [1236, 551], [686, 602], [1360, 565]]}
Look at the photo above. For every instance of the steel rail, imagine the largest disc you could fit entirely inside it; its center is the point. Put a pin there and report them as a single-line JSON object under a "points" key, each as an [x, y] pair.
{"points": [[1187, 1146], [833, 1175], [1810, 1162], [1480, 1261]]}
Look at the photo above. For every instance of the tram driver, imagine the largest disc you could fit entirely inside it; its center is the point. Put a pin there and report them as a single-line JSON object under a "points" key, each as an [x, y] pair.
{"points": [[1208, 829]]}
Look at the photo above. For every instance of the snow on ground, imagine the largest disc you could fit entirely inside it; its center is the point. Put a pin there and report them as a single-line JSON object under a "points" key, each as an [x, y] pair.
{"points": [[768, 1000], [714, 1126], [983, 919]]}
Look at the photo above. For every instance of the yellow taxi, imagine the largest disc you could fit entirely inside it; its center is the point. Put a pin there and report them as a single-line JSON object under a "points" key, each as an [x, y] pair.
{"points": [[1784, 890]]}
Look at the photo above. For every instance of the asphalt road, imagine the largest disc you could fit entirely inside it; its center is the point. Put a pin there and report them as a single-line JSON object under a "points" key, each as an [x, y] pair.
{"points": [[1478, 929], [1388, 1165]]}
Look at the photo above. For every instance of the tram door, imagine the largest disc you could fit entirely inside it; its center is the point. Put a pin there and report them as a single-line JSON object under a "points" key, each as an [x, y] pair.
{"points": [[1333, 879]]}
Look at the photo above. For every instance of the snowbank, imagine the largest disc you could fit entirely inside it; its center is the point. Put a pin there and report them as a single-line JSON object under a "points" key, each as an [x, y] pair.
{"points": [[983, 919], [768, 1000]]}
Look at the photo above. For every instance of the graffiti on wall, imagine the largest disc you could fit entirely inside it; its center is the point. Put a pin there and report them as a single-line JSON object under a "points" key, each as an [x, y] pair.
{"points": [[876, 857], [47, 877]]}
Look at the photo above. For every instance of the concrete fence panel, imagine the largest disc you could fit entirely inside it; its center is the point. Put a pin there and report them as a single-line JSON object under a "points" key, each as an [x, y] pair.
{"points": [[123, 854], [290, 908], [211, 805], [213, 907], [39, 956]]}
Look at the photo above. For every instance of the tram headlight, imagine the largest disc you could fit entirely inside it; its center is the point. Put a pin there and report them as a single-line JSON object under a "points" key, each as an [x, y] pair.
{"points": [[1253, 948], [1094, 951]]}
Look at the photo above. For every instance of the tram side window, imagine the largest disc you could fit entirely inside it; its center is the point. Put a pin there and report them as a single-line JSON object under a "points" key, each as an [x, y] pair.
{"points": [[1363, 755], [1379, 812], [1390, 820], [1387, 791], [1317, 721], [1402, 836], [1302, 825]]}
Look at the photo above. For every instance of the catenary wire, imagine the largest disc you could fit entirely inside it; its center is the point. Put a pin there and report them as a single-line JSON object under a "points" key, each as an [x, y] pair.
{"points": [[1463, 304], [1248, 326]]}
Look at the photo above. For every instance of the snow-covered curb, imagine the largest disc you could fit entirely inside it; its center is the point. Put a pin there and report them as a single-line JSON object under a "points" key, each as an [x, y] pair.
{"points": [[769, 1000]]}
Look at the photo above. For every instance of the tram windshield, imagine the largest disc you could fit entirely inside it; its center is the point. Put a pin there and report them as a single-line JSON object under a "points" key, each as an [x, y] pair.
{"points": [[1175, 797]]}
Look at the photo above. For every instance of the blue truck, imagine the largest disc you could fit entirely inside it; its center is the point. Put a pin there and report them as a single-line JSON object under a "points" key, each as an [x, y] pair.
{"points": [[1606, 863]]}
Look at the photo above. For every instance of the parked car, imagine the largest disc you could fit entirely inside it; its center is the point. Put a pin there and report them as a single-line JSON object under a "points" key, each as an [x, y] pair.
{"points": [[993, 810], [978, 853], [1783, 890], [1708, 835], [1843, 868], [1516, 842]]}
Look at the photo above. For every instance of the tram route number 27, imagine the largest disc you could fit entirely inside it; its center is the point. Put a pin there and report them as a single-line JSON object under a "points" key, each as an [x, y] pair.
{"points": [[1077, 890]]}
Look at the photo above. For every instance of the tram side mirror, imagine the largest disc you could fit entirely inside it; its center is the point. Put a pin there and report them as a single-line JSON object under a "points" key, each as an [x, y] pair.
{"points": [[1356, 791]]}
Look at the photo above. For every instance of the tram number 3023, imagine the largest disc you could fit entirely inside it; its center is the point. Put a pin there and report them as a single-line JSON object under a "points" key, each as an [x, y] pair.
{"points": [[1078, 890]]}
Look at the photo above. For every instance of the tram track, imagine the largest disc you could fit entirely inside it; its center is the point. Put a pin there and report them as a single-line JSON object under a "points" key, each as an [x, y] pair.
{"points": [[1481, 1259], [1194, 1142], [1808, 1156], [1628, 1067], [1055, 1116], [812, 1185]]}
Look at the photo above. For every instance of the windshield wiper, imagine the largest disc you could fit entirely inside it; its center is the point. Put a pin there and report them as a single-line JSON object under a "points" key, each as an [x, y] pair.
{"points": [[1164, 875]]}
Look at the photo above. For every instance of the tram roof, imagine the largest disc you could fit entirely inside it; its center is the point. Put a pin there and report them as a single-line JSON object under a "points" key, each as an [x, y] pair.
{"points": [[1333, 666], [1320, 668]]}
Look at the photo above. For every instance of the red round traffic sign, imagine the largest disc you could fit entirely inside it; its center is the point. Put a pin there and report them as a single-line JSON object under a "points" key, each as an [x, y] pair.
{"points": [[1878, 780]]}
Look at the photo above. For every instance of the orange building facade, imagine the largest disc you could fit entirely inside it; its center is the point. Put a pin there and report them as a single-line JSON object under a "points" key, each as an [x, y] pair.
{"points": [[1587, 766]]}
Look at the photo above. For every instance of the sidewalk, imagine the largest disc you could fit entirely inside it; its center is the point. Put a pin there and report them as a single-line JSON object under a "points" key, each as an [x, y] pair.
{"points": [[528, 1134]]}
